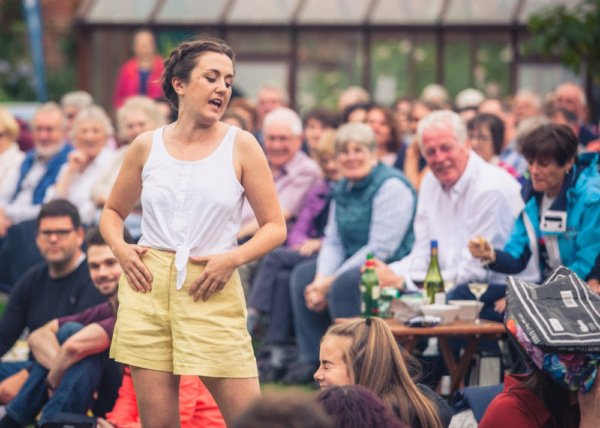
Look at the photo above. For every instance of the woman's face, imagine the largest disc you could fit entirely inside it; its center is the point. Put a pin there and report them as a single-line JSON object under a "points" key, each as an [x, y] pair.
{"points": [[136, 122], [90, 137], [547, 176], [382, 129], [330, 167], [481, 142], [332, 369], [208, 89], [356, 161]]}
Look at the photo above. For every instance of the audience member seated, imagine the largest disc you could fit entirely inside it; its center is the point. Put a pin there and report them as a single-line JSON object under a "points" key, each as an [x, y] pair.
{"points": [[269, 98], [354, 406], [39, 169], [72, 103], [463, 196], [467, 102], [142, 74], [244, 108], [90, 132], [509, 155], [356, 112], [73, 372], [270, 292], [562, 388], [317, 121], [137, 115], [372, 212], [11, 156], [486, 138], [293, 171], [526, 104], [401, 108], [284, 409], [570, 96], [383, 123], [364, 352], [351, 96], [197, 408], [560, 222], [58, 287], [413, 163]]}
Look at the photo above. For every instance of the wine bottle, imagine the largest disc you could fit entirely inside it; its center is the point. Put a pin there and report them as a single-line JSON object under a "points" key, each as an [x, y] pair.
{"points": [[434, 284], [369, 289]]}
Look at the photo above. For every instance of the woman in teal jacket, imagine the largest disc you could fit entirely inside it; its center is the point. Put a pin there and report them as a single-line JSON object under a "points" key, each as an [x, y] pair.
{"points": [[560, 223]]}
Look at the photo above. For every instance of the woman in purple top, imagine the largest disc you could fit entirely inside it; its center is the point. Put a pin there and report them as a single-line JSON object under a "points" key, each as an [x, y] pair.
{"points": [[270, 289]]}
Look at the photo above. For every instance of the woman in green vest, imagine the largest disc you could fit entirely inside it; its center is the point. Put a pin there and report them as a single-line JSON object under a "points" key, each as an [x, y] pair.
{"points": [[372, 212]]}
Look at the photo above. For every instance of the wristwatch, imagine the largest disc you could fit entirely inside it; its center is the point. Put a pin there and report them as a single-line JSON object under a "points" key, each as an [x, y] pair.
{"points": [[49, 385]]}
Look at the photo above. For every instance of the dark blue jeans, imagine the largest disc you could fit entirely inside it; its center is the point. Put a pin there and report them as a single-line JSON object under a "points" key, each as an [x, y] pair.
{"points": [[270, 292], [76, 390], [8, 369], [343, 301]]}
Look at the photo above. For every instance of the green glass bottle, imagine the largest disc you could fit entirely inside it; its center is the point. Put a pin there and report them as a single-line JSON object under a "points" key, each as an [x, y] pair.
{"points": [[369, 289], [433, 281]]}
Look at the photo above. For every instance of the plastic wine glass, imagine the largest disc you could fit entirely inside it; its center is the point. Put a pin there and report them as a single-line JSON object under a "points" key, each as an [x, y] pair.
{"points": [[478, 289]]}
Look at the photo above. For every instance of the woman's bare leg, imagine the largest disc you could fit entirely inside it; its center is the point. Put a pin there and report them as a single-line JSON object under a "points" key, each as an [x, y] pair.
{"points": [[232, 394], [157, 396]]}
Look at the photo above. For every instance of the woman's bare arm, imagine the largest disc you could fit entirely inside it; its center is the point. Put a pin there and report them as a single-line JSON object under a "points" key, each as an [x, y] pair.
{"points": [[123, 197]]}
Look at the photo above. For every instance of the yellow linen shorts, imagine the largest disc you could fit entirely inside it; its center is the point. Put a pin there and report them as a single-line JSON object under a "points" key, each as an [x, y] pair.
{"points": [[165, 330]]}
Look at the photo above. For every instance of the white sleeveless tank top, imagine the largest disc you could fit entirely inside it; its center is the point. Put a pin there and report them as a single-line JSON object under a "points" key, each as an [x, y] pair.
{"points": [[192, 208]]}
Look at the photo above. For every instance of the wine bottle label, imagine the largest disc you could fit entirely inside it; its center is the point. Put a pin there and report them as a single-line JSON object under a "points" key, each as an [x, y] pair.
{"points": [[440, 298], [375, 292]]}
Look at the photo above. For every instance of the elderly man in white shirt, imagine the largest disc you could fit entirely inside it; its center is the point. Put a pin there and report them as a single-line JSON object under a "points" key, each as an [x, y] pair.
{"points": [[461, 197], [25, 195]]}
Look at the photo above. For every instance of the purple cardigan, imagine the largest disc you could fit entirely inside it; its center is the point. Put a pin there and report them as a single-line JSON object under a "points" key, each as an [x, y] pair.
{"points": [[305, 228]]}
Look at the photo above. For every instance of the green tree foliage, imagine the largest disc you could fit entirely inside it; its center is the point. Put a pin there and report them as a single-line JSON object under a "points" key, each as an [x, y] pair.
{"points": [[572, 35]]}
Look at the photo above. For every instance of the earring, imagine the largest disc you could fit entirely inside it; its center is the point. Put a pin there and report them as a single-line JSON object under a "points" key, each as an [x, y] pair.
{"points": [[567, 171]]}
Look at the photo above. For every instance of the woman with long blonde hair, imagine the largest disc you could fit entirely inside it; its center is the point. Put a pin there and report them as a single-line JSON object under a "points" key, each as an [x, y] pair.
{"points": [[364, 352]]}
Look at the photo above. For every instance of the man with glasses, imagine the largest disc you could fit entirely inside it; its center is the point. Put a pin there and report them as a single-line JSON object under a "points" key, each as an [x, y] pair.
{"points": [[72, 358], [57, 287], [39, 170]]}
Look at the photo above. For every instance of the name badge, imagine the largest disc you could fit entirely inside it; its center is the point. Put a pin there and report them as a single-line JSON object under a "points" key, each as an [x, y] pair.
{"points": [[554, 221]]}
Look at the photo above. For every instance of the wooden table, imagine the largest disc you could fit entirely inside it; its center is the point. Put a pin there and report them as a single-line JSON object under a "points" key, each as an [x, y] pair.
{"points": [[473, 333]]}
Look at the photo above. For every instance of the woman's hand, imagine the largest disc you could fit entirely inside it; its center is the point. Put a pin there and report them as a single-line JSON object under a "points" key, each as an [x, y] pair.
{"points": [[500, 305], [309, 246], [589, 405], [137, 274], [216, 273], [103, 423], [315, 293], [77, 160], [481, 248]]}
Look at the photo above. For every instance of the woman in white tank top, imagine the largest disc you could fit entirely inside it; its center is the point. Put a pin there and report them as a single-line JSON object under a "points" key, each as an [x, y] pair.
{"points": [[181, 305]]}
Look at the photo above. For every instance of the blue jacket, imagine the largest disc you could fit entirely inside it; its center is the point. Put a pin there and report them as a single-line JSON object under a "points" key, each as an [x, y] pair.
{"points": [[579, 244], [52, 169]]}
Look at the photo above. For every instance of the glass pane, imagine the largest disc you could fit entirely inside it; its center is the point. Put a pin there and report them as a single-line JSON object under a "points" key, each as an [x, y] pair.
{"points": [[130, 11], [424, 60], [406, 12], [492, 68], [401, 65], [262, 11], [543, 78], [327, 64], [390, 67], [532, 7], [167, 40], [189, 11], [478, 11], [257, 42], [250, 76], [334, 12], [457, 64]]}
